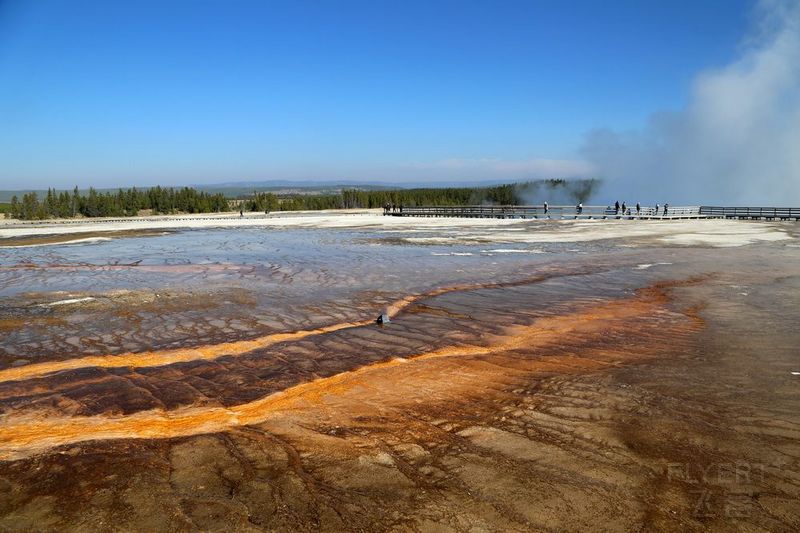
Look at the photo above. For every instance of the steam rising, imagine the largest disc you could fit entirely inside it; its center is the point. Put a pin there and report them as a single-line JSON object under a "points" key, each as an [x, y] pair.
{"points": [[556, 192], [737, 140]]}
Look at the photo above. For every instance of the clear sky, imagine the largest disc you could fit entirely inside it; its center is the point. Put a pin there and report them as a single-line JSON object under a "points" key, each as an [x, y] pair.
{"points": [[112, 93]]}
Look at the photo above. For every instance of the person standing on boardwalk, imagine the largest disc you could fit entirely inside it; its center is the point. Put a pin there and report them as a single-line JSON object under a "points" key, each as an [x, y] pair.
{"points": [[616, 207], [657, 206], [624, 208], [545, 208], [579, 208], [666, 206], [638, 208]]}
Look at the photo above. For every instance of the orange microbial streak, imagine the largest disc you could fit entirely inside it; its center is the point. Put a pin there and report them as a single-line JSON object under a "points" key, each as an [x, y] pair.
{"points": [[215, 351], [168, 357], [386, 384]]}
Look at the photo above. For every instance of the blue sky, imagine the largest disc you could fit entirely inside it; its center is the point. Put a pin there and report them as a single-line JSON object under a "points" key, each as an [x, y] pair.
{"points": [[174, 92]]}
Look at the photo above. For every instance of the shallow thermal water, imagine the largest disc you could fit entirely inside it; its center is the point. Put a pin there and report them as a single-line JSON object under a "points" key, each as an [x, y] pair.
{"points": [[259, 280], [234, 378]]}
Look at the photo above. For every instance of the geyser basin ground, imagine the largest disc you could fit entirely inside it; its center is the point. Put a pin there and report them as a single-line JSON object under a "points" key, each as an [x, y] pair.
{"points": [[535, 375]]}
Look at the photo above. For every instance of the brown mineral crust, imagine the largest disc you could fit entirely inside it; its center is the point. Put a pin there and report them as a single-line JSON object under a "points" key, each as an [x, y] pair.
{"points": [[39, 240], [615, 413]]}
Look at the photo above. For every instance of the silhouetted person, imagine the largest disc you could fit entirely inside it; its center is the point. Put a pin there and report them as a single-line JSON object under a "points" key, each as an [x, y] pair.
{"points": [[579, 208], [666, 206], [638, 208], [241, 213], [624, 209], [546, 208], [657, 207], [401, 208], [616, 207]]}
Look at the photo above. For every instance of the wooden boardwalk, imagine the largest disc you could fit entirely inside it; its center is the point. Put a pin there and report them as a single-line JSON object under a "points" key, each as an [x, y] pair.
{"points": [[753, 213], [553, 212], [597, 212]]}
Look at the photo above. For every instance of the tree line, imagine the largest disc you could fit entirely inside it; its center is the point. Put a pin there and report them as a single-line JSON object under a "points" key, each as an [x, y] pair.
{"points": [[555, 190], [161, 200], [267, 201], [127, 202]]}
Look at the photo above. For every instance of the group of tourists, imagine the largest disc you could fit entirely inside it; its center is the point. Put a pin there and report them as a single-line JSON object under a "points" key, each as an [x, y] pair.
{"points": [[392, 208], [621, 209], [624, 210]]}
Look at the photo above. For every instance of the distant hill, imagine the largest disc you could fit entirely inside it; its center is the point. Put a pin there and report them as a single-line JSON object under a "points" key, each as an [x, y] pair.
{"points": [[231, 190], [242, 189]]}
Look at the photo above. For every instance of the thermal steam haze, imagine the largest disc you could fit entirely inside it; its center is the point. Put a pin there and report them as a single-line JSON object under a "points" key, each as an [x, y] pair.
{"points": [[736, 142]]}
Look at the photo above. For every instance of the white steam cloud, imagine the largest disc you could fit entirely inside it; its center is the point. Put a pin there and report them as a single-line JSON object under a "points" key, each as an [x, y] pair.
{"points": [[737, 140]]}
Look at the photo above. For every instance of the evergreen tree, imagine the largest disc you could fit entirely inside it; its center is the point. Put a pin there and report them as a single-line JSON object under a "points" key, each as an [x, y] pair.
{"points": [[75, 201], [15, 209]]}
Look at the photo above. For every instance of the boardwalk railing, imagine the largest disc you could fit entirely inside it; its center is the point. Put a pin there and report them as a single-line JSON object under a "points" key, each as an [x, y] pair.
{"points": [[768, 213], [556, 211]]}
